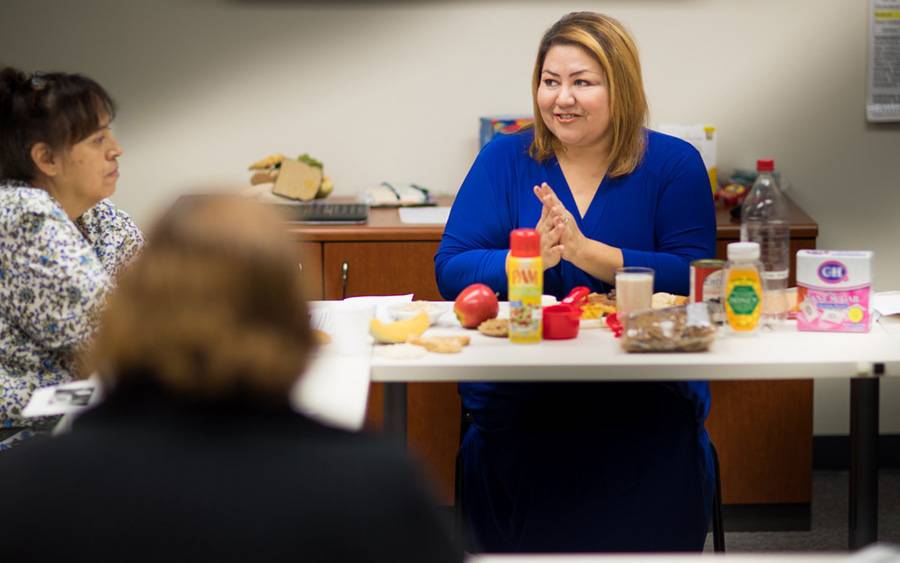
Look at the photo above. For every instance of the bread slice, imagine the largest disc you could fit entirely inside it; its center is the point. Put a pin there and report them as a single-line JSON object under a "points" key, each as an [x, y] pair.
{"points": [[298, 180], [264, 177], [440, 344]]}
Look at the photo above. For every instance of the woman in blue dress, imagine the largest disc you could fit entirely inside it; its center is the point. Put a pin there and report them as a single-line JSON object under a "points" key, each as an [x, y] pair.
{"points": [[584, 467]]}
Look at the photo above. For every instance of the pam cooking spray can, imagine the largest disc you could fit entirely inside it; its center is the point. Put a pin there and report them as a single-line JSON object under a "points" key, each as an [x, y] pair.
{"points": [[525, 271]]}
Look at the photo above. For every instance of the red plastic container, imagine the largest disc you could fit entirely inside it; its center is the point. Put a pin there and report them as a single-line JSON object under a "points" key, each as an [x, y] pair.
{"points": [[561, 322]]}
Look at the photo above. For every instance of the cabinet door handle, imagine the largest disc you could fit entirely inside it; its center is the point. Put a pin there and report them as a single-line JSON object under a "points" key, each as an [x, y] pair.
{"points": [[300, 266], [345, 278]]}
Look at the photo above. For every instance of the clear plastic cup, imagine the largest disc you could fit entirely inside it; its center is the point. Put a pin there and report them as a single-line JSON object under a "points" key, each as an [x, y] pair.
{"points": [[634, 289]]}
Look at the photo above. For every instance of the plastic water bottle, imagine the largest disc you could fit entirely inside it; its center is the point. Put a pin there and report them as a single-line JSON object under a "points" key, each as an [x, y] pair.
{"points": [[764, 220]]}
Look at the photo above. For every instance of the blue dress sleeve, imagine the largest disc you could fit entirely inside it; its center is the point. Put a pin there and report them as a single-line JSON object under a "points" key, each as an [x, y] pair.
{"points": [[684, 225], [476, 237]]}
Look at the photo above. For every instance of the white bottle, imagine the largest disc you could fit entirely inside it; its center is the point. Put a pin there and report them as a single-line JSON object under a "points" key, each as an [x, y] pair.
{"points": [[764, 220]]}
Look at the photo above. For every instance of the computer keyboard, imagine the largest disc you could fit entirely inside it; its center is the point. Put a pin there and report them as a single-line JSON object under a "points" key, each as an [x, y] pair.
{"points": [[328, 213]]}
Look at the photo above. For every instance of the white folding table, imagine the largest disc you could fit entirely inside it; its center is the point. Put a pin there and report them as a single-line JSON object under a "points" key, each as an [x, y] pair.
{"points": [[596, 356], [672, 558]]}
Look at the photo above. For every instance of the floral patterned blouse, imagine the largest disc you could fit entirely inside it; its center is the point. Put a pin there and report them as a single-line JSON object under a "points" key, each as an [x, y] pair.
{"points": [[54, 277]]}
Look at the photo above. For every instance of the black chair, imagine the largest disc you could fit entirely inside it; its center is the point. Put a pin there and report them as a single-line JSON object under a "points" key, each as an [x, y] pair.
{"points": [[717, 524], [462, 529], [465, 420]]}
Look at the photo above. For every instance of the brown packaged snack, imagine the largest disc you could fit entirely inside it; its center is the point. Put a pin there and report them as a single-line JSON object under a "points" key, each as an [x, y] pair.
{"points": [[673, 329]]}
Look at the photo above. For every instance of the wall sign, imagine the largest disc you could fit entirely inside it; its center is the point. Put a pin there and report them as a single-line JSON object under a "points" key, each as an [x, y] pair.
{"points": [[883, 89]]}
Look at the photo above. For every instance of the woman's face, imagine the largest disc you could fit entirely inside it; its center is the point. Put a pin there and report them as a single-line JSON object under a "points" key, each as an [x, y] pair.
{"points": [[573, 97], [89, 169]]}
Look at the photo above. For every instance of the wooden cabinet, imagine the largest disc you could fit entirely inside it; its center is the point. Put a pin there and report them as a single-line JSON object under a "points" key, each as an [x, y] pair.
{"points": [[762, 430], [380, 268], [311, 266]]}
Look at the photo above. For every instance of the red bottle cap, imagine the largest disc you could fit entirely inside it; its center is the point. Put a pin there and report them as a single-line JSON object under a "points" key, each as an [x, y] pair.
{"points": [[766, 165], [524, 243]]}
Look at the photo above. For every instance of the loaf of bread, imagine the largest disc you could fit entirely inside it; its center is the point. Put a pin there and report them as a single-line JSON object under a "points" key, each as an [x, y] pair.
{"points": [[298, 180]]}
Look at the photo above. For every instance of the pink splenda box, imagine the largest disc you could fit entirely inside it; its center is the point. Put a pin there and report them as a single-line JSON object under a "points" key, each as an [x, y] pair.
{"points": [[833, 290]]}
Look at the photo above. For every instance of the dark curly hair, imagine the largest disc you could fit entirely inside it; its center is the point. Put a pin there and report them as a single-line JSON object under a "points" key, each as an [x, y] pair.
{"points": [[56, 108]]}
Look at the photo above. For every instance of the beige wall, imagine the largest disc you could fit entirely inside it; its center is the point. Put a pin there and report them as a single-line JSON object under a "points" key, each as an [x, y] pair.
{"points": [[393, 90]]}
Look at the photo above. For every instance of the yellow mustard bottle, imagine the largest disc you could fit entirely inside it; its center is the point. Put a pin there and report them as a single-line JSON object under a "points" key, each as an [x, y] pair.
{"points": [[525, 273], [743, 287]]}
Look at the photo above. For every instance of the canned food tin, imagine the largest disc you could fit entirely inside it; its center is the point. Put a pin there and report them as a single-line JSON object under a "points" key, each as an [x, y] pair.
{"points": [[706, 280]]}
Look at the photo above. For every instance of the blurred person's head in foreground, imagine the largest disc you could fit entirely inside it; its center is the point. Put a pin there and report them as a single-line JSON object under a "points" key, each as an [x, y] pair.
{"points": [[213, 309]]}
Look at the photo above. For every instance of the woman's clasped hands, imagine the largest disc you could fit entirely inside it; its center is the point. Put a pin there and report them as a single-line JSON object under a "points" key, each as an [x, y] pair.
{"points": [[560, 236]]}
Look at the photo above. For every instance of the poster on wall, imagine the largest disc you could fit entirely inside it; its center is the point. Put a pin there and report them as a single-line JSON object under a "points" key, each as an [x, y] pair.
{"points": [[883, 89]]}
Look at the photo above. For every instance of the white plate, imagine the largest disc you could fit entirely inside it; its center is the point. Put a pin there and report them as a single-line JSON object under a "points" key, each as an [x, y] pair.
{"points": [[593, 323], [401, 311]]}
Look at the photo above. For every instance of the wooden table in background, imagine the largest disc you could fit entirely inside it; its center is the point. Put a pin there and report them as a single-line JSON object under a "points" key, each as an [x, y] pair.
{"points": [[762, 429]]}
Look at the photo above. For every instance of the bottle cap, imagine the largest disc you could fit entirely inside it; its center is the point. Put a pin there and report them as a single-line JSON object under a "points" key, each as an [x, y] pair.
{"points": [[765, 165], [743, 251], [524, 243]]}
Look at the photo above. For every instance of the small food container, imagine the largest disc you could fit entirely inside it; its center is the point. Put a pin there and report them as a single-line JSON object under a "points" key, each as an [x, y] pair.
{"points": [[561, 322], [834, 290], [403, 311]]}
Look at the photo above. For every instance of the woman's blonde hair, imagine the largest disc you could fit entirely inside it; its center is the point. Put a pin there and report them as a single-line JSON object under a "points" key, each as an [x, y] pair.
{"points": [[213, 308], [609, 43]]}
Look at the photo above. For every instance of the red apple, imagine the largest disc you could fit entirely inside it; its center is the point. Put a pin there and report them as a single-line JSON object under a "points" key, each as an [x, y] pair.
{"points": [[475, 304]]}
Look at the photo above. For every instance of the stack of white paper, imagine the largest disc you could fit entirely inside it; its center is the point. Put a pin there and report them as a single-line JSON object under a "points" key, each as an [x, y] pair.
{"points": [[424, 215]]}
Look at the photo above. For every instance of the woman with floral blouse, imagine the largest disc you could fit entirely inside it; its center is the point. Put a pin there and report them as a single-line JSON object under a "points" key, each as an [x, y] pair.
{"points": [[61, 241]]}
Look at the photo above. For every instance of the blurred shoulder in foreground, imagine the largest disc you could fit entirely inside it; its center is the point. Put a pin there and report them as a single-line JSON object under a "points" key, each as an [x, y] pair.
{"points": [[195, 453]]}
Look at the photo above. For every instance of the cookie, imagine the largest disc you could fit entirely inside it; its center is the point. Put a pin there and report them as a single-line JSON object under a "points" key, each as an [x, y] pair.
{"points": [[495, 327], [321, 337], [440, 344]]}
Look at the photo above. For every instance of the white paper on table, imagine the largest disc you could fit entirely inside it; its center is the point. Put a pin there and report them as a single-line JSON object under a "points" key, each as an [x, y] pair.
{"points": [[886, 302], [424, 215], [877, 553], [334, 390], [64, 398], [891, 324]]}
